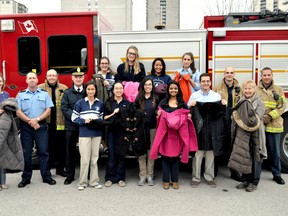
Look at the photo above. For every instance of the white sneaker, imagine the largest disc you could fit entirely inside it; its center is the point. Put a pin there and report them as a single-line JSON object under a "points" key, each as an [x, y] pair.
{"points": [[98, 186], [80, 188], [150, 181], [108, 183], [141, 182], [122, 183]]}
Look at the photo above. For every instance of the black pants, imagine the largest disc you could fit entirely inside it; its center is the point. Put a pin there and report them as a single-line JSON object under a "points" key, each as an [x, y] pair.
{"points": [[71, 142], [57, 144]]}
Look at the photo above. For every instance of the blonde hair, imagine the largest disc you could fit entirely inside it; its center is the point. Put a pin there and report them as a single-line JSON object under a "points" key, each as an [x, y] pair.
{"points": [[2, 88], [249, 82], [136, 65]]}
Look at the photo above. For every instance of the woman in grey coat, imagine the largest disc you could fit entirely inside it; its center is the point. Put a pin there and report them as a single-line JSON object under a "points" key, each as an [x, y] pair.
{"points": [[248, 137], [11, 153]]}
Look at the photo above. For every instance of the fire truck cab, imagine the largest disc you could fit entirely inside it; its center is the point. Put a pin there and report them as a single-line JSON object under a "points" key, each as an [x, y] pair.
{"points": [[39, 42]]}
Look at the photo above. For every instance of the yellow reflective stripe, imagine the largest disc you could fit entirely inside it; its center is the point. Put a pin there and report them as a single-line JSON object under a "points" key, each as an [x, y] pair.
{"points": [[274, 130], [58, 103], [60, 127], [270, 104], [274, 114]]}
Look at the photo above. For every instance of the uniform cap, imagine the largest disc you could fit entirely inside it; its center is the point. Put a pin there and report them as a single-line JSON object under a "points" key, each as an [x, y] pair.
{"points": [[77, 71]]}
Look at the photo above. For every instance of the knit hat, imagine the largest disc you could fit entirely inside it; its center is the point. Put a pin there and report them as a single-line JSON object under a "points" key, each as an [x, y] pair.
{"points": [[245, 116]]}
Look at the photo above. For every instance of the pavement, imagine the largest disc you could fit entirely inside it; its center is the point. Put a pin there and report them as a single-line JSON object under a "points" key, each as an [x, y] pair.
{"points": [[42, 199]]}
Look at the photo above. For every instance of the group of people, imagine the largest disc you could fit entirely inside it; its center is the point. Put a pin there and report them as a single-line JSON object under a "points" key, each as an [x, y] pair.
{"points": [[172, 116]]}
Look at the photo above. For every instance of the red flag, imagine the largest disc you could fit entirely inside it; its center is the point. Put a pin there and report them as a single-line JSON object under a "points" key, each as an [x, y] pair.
{"points": [[28, 26]]}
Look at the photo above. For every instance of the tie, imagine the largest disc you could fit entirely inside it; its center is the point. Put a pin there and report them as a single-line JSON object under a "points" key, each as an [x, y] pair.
{"points": [[78, 89]]}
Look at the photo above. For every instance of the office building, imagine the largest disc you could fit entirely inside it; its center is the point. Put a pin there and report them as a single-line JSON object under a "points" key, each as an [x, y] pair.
{"points": [[12, 7], [163, 14]]}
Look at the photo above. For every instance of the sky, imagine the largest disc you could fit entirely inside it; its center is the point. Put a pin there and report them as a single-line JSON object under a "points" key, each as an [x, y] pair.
{"points": [[190, 17]]}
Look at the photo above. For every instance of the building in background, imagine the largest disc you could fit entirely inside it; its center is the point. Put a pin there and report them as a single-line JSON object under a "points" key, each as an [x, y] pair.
{"points": [[117, 12], [78, 5], [163, 14], [282, 5], [12, 7]]}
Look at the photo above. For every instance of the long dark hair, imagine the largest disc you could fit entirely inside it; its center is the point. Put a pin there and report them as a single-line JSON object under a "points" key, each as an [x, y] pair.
{"points": [[140, 99], [192, 65], [85, 88], [179, 97], [163, 71]]}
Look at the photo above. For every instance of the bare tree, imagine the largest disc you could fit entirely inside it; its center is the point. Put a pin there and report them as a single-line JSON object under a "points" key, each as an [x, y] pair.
{"points": [[223, 7]]}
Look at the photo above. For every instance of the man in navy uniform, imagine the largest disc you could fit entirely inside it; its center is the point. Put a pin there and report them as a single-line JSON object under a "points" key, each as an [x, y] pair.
{"points": [[70, 97], [34, 106]]}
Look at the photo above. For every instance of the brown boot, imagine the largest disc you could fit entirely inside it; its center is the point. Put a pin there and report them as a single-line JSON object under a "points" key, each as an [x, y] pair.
{"points": [[175, 185], [166, 185]]}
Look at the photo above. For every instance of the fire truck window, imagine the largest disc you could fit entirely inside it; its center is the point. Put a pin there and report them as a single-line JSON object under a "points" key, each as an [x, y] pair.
{"points": [[67, 52], [29, 55]]}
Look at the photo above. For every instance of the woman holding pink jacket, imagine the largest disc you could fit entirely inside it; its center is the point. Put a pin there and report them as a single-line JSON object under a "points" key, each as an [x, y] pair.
{"points": [[175, 135]]}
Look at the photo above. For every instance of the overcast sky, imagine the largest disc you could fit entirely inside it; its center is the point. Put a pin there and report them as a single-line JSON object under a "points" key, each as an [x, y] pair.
{"points": [[190, 17]]}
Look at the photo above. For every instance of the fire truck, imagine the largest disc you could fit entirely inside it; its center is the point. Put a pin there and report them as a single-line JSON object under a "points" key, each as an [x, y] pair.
{"points": [[63, 41], [39, 42]]}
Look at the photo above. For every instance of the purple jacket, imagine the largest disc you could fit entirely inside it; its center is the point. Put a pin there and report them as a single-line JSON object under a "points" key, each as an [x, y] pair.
{"points": [[175, 134]]}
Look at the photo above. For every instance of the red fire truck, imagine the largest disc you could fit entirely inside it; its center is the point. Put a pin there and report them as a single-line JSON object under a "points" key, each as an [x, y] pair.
{"points": [[38, 42], [62, 41]]}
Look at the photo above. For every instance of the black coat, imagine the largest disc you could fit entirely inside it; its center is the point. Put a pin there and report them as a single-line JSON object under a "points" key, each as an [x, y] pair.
{"points": [[209, 121], [70, 97], [128, 126]]}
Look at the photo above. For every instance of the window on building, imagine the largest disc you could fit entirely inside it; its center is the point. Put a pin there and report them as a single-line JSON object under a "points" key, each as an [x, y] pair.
{"points": [[29, 55], [67, 52]]}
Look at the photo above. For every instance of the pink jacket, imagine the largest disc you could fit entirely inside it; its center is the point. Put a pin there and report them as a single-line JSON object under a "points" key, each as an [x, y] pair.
{"points": [[175, 134], [130, 90]]}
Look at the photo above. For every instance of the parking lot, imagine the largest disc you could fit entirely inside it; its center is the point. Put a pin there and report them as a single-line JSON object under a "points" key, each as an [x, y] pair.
{"points": [[38, 198]]}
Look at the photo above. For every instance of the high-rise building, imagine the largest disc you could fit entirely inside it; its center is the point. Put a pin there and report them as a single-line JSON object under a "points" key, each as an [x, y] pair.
{"points": [[163, 14], [78, 5], [117, 12], [12, 7]]}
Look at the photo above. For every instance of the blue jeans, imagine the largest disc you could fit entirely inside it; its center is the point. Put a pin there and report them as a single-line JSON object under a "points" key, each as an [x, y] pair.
{"points": [[115, 169], [2, 177], [253, 177], [28, 135], [170, 165], [273, 149]]}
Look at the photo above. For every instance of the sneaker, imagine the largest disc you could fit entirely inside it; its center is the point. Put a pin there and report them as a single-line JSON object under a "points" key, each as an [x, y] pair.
{"points": [[150, 181], [141, 182], [122, 183], [108, 183], [251, 188], [80, 188], [242, 185], [98, 185], [194, 184], [4, 186], [211, 184]]}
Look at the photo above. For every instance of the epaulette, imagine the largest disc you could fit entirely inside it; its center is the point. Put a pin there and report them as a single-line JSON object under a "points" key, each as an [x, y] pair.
{"points": [[42, 90], [23, 90]]}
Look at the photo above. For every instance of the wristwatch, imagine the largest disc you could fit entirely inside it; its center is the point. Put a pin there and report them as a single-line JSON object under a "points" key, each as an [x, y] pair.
{"points": [[38, 119]]}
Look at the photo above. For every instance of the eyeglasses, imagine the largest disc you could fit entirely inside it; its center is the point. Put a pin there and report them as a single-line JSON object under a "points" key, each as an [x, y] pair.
{"points": [[227, 72], [132, 54], [149, 84]]}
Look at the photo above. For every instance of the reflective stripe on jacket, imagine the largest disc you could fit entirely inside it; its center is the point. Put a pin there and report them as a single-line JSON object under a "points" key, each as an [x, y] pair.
{"points": [[273, 107]]}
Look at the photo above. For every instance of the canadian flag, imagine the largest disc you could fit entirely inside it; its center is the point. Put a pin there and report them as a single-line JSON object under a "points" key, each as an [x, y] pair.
{"points": [[28, 26]]}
